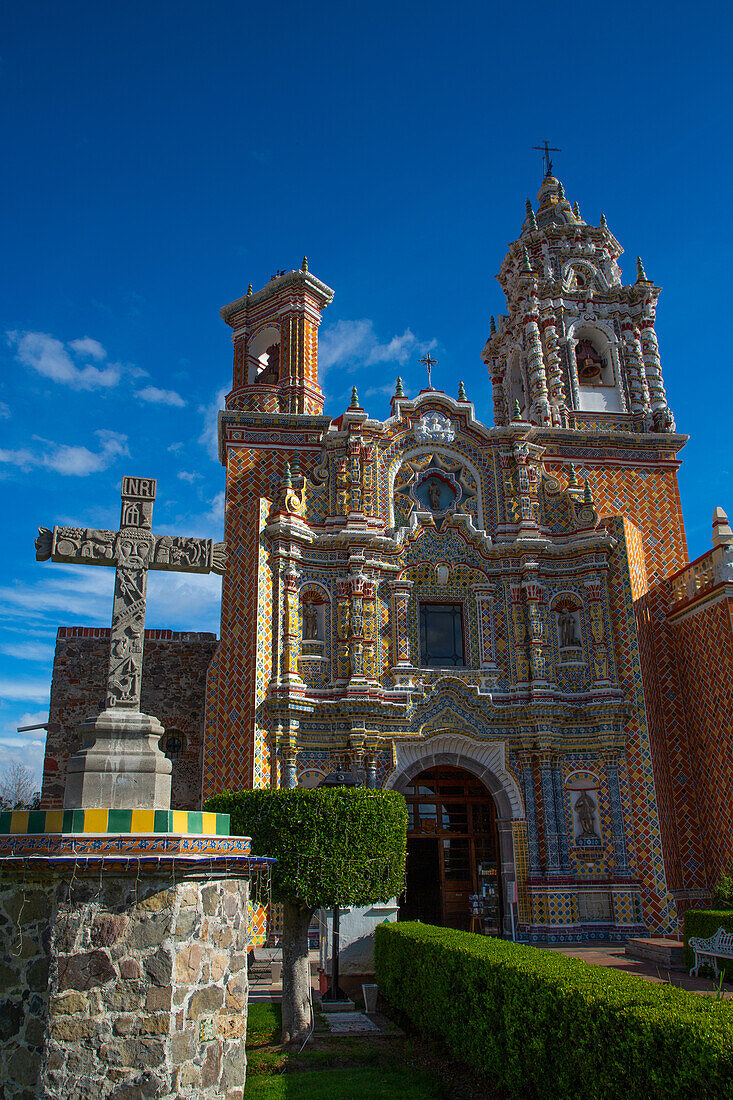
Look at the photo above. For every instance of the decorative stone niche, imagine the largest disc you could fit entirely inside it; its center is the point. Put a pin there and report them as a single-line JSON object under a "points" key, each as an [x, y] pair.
{"points": [[584, 791], [569, 639], [313, 623]]}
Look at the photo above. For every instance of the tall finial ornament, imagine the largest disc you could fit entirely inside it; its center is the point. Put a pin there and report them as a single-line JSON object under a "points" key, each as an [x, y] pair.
{"points": [[354, 398], [517, 412], [249, 289], [428, 361], [461, 392], [526, 265], [304, 265], [640, 272], [603, 221], [398, 391]]}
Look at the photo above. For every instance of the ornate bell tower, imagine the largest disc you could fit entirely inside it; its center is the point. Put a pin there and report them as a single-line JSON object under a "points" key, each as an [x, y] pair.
{"points": [[577, 348], [275, 337]]}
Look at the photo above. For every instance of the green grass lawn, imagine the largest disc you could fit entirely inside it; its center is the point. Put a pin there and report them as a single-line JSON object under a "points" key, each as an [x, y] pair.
{"points": [[333, 1067]]}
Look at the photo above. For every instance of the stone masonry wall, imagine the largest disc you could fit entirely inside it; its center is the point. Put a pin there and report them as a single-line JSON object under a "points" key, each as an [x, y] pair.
{"points": [[173, 690], [122, 985]]}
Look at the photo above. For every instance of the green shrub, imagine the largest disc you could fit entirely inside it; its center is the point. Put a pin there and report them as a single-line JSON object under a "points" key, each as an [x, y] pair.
{"points": [[543, 1025], [723, 892], [705, 923], [334, 846]]}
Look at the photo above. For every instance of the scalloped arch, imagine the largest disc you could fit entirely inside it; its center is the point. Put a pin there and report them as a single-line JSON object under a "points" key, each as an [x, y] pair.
{"points": [[486, 760]]}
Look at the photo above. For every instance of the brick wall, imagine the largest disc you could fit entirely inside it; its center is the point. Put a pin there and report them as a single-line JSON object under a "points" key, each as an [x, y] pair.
{"points": [[704, 649], [173, 690]]}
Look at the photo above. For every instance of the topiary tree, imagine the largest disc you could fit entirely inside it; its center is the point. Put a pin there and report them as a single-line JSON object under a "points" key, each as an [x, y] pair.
{"points": [[334, 846]]}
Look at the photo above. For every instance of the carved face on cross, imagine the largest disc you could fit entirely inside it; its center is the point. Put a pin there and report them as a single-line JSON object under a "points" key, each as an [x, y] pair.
{"points": [[132, 550]]}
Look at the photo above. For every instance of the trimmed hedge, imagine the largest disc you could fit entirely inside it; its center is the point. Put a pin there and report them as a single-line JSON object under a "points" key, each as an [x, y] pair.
{"points": [[333, 845], [704, 923], [543, 1025]]}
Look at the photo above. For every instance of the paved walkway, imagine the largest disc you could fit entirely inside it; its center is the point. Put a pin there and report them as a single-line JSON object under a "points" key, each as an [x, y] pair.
{"points": [[614, 956], [263, 988]]}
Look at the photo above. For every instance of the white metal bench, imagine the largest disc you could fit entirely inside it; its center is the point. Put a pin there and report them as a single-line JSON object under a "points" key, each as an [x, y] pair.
{"points": [[708, 951]]}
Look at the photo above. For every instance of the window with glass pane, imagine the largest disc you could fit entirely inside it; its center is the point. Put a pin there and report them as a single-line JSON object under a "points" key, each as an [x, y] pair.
{"points": [[441, 634]]}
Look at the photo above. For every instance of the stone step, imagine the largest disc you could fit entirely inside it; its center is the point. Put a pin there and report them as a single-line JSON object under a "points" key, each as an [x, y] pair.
{"points": [[657, 950]]}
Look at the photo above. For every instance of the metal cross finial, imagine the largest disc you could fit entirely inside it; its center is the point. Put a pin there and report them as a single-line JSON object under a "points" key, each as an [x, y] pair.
{"points": [[429, 362], [546, 149]]}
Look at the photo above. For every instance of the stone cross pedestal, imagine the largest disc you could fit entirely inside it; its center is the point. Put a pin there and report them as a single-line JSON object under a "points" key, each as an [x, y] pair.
{"points": [[120, 764]]}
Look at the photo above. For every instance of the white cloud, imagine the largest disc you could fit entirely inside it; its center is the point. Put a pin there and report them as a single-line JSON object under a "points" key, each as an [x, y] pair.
{"points": [[380, 391], [28, 651], [52, 359], [188, 475], [4, 411], [175, 448], [353, 344], [25, 691], [160, 397], [88, 348], [62, 592], [209, 437], [67, 460]]}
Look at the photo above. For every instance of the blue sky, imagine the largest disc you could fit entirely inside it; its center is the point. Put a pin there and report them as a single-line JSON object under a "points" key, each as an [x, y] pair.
{"points": [[159, 157]]}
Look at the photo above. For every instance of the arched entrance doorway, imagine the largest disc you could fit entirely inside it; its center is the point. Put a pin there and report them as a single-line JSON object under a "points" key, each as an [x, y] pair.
{"points": [[452, 851]]}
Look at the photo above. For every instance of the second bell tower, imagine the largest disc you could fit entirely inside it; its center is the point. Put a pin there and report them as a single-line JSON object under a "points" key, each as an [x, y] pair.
{"points": [[275, 337]]}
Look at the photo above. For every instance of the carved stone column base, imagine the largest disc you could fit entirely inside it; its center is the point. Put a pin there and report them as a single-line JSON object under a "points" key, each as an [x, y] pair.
{"points": [[120, 765]]}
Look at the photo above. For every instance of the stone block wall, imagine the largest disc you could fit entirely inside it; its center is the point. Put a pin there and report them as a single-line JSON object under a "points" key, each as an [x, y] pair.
{"points": [[122, 985], [173, 690]]}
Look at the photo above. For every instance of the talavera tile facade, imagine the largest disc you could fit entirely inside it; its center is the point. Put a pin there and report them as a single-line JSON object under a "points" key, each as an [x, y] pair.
{"points": [[591, 663]]}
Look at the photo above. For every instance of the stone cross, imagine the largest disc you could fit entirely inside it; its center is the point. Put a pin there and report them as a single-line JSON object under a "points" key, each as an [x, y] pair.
{"points": [[133, 550]]}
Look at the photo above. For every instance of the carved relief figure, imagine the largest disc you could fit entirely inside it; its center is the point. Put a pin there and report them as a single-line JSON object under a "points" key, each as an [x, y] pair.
{"points": [[585, 808], [434, 495], [567, 629]]}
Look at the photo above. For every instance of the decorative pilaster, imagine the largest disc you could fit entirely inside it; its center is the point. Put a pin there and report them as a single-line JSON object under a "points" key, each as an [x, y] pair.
{"points": [[534, 594], [555, 382], [536, 367], [561, 816], [288, 766], [663, 420], [620, 852], [519, 631], [600, 669], [547, 785], [400, 627], [342, 658], [484, 604], [530, 810], [638, 388], [289, 677]]}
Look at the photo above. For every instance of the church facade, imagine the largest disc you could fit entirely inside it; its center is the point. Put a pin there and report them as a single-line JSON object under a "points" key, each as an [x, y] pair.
{"points": [[499, 622]]}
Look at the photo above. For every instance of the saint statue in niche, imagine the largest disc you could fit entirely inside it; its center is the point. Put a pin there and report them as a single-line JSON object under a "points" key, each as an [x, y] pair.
{"points": [[568, 630], [310, 622], [434, 495], [585, 808], [590, 364]]}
